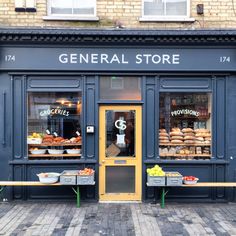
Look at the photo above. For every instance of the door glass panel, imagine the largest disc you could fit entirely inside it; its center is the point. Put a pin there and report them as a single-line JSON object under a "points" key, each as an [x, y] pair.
{"points": [[120, 179], [120, 133]]}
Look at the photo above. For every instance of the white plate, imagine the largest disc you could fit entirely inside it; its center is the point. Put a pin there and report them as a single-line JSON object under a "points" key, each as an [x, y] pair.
{"points": [[55, 151], [38, 152], [73, 151]]}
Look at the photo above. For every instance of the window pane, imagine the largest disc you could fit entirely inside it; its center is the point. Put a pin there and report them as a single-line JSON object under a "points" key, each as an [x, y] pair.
{"points": [[76, 7], [61, 7], [154, 8], [165, 7], [120, 88], [54, 125], [120, 133], [185, 126], [176, 7], [84, 7], [120, 179]]}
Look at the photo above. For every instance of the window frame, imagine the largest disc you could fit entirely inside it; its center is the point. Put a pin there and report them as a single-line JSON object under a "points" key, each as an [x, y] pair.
{"points": [[169, 18], [51, 16]]}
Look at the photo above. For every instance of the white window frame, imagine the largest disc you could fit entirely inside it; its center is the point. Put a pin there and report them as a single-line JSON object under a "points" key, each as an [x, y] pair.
{"points": [[169, 18], [86, 17]]}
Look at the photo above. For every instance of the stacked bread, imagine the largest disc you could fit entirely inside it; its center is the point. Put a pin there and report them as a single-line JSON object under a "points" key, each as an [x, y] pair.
{"points": [[163, 136], [203, 136], [189, 135], [176, 136]]}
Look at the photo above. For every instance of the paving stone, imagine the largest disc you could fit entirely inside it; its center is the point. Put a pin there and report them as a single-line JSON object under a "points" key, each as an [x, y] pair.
{"points": [[135, 219]]}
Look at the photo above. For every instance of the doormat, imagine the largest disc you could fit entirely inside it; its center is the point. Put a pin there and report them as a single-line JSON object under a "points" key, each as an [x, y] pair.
{"points": [[112, 150]]}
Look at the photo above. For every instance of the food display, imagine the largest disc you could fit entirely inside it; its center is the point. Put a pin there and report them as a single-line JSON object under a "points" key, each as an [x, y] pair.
{"points": [[185, 144], [53, 146], [77, 177], [155, 176], [185, 125], [155, 171], [190, 180]]}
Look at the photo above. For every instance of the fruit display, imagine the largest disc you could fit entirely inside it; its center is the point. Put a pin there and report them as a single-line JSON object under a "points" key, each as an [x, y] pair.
{"points": [[173, 174], [155, 171], [86, 171], [190, 179]]}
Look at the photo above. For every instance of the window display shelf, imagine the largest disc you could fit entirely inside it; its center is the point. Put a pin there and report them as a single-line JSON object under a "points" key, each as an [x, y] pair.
{"points": [[185, 155], [54, 155], [55, 144], [185, 144]]}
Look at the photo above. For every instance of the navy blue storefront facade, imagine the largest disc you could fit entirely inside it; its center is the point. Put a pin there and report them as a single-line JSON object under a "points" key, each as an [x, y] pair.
{"points": [[170, 67]]}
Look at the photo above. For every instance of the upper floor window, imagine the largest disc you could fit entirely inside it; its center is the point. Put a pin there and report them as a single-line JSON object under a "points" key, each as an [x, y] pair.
{"points": [[72, 8], [168, 10]]}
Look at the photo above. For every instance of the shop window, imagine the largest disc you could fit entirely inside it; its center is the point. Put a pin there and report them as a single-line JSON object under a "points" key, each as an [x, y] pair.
{"points": [[166, 9], [54, 125], [120, 88], [72, 8], [185, 126]]}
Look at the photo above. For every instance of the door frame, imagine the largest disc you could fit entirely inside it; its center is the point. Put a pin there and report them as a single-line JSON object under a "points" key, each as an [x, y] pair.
{"points": [[129, 161]]}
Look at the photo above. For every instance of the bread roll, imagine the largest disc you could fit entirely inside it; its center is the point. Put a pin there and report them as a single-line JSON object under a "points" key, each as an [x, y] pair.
{"points": [[163, 141], [189, 141], [176, 129], [175, 133], [163, 134], [189, 134], [187, 130], [163, 137], [176, 141], [189, 137], [177, 137], [162, 130]]}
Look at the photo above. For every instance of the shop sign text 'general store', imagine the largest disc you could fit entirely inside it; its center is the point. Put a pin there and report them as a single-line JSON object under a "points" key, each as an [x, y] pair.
{"points": [[123, 59], [102, 58]]}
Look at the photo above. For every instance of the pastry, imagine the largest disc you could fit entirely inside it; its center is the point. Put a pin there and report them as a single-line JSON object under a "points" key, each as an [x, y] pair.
{"points": [[187, 130]]}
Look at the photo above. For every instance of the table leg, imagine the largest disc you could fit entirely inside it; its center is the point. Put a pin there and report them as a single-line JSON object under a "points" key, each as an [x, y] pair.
{"points": [[77, 192], [163, 195], [1, 191], [163, 198], [78, 197]]}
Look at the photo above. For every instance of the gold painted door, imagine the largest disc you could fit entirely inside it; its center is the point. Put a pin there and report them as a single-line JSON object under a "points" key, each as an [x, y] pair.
{"points": [[120, 152]]}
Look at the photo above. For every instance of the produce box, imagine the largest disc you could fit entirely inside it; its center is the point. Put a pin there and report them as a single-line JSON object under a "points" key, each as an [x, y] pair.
{"points": [[85, 179], [68, 177], [156, 180], [173, 179]]}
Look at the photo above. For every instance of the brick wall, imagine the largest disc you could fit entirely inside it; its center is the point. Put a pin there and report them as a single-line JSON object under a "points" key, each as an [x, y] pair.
{"points": [[217, 14]]}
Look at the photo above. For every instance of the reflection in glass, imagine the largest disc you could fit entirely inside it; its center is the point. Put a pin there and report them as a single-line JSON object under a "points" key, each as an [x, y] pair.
{"points": [[120, 133]]}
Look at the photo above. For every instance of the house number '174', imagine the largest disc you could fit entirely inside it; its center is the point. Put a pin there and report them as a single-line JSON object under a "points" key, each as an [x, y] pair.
{"points": [[10, 58], [225, 59]]}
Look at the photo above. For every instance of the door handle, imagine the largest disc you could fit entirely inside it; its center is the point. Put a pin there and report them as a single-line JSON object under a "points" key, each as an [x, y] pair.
{"points": [[103, 161]]}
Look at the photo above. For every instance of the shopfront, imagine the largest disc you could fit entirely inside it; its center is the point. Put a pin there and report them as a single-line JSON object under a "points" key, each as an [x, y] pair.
{"points": [[118, 108]]}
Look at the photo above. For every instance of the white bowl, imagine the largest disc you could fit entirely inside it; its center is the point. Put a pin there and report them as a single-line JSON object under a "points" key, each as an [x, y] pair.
{"points": [[55, 151], [48, 178], [73, 151], [38, 152]]}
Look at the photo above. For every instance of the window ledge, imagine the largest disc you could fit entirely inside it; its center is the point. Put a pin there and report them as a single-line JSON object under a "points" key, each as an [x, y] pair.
{"points": [[164, 19], [72, 18]]}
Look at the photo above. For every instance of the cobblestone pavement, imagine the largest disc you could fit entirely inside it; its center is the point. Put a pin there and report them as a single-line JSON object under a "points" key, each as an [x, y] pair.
{"points": [[116, 219]]}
